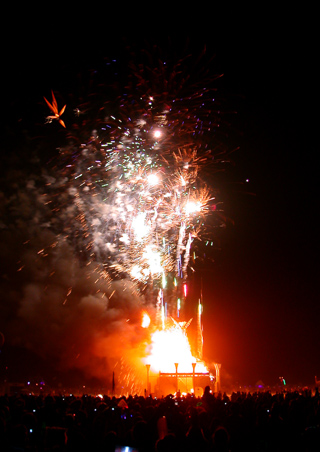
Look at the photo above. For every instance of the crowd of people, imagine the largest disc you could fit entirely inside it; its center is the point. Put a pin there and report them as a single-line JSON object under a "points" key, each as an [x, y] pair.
{"points": [[261, 421]]}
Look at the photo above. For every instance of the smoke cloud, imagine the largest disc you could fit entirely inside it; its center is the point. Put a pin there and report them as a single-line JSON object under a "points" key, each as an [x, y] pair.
{"points": [[64, 310]]}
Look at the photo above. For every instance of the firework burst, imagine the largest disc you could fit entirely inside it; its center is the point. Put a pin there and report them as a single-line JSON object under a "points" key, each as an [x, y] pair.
{"points": [[133, 197]]}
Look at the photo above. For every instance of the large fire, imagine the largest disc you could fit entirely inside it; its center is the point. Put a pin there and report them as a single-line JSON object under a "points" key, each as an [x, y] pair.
{"points": [[170, 345]]}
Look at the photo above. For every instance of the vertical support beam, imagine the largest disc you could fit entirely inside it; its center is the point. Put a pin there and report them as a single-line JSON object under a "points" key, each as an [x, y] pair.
{"points": [[199, 331], [217, 367], [194, 377], [148, 389], [177, 380]]}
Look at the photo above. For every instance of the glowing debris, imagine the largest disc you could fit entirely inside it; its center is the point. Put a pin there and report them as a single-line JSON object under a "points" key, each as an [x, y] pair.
{"points": [[56, 113]]}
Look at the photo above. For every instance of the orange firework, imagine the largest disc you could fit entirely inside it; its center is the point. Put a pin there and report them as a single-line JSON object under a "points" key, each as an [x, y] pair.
{"points": [[54, 108]]}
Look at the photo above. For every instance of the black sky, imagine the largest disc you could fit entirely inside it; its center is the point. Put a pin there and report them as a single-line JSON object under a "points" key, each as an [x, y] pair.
{"points": [[269, 288], [261, 301]]}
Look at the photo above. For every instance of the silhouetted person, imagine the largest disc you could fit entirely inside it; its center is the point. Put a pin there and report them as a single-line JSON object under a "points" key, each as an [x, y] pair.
{"points": [[220, 440], [168, 444]]}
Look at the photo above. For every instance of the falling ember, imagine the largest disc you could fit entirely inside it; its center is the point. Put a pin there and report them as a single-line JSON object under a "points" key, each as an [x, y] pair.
{"points": [[185, 289]]}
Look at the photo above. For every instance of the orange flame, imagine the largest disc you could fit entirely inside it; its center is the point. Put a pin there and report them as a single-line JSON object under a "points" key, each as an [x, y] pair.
{"points": [[169, 346]]}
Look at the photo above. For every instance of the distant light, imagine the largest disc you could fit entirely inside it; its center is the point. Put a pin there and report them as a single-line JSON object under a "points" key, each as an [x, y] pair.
{"points": [[157, 133]]}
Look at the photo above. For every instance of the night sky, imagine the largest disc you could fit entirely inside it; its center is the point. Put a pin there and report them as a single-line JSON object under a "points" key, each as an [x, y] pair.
{"points": [[261, 310]]}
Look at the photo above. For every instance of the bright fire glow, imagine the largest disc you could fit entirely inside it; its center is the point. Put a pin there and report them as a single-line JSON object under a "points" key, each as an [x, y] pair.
{"points": [[145, 320], [169, 346]]}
